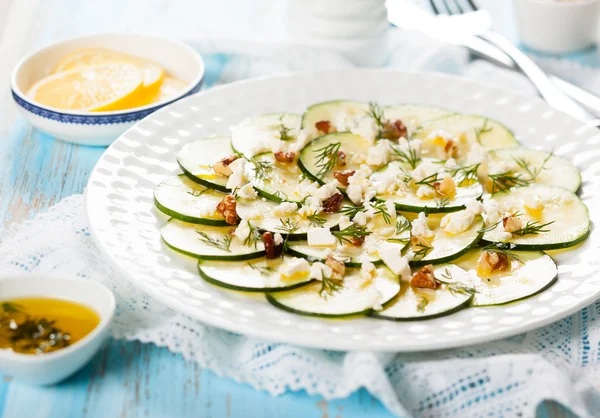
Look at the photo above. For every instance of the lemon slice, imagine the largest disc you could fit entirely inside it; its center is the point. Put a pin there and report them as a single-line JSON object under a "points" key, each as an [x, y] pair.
{"points": [[153, 74], [169, 89], [103, 87]]}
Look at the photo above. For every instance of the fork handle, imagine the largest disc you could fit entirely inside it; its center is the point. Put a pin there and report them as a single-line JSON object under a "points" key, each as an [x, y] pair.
{"points": [[540, 80]]}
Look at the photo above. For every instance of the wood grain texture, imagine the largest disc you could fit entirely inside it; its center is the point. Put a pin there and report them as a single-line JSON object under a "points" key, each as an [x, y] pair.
{"points": [[129, 379]]}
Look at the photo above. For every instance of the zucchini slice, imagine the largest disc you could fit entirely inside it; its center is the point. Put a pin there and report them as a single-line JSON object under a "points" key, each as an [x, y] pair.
{"points": [[327, 111], [317, 158], [444, 246], [413, 304], [413, 116], [208, 242], [566, 216], [263, 133], [408, 200], [197, 157], [295, 226], [468, 129], [531, 272], [551, 169], [281, 182], [355, 297], [184, 199], [259, 275], [351, 255]]}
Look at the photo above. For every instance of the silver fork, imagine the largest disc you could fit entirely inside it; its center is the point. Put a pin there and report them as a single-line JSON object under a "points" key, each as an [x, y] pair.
{"points": [[536, 75]]}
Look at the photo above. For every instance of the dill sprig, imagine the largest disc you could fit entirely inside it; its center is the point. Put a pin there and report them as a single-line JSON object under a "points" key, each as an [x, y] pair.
{"points": [[253, 236], [327, 158], [489, 228], [464, 174], [197, 193], [329, 286], [443, 202], [535, 172], [284, 133], [503, 182], [261, 168], [455, 288], [423, 302], [266, 270], [502, 248], [483, 130], [420, 250], [316, 220], [350, 211], [429, 180], [222, 244], [351, 232], [402, 225], [381, 209], [532, 228], [408, 156], [287, 226], [376, 112]]}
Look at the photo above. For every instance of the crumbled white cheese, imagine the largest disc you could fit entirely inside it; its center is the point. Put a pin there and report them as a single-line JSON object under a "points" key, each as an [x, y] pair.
{"points": [[451, 163], [475, 207], [311, 206], [492, 212], [457, 222], [367, 270], [425, 169], [503, 236], [326, 191], [242, 231], [360, 218], [237, 177], [345, 222], [440, 133], [388, 181], [477, 155], [343, 121], [533, 202], [420, 227], [412, 147], [365, 126], [390, 208], [253, 214], [319, 270], [369, 195], [306, 188], [379, 154], [285, 208], [247, 192], [390, 254], [208, 208], [358, 184], [425, 192], [277, 239], [320, 237], [387, 232], [294, 266]]}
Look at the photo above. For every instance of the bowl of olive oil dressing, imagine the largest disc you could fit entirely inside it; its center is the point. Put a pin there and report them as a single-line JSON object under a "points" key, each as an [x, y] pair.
{"points": [[51, 327]]}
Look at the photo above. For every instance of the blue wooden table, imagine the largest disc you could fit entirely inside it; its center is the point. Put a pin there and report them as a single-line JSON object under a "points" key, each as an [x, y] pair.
{"points": [[129, 379]]}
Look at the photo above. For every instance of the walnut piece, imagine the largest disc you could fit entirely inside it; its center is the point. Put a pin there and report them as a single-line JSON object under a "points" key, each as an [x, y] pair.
{"points": [[222, 167], [271, 250], [337, 267], [424, 279], [450, 148], [343, 176], [333, 203], [394, 130], [341, 158], [492, 262], [325, 126], [357, 241], [512, 223], [227, 208], [285, 157]]}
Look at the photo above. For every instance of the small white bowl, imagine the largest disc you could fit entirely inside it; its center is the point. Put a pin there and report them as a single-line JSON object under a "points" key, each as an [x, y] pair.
{"points": [[101, 128], [557, 26], [46, 369]]}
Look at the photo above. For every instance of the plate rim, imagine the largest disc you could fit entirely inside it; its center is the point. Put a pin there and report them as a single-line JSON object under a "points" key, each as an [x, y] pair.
{"points": [[358, 345]]}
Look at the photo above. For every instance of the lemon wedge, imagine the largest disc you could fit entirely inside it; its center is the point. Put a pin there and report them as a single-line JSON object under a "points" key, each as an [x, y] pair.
{"points": [[104, 87], [153, 74], [169, 88]]}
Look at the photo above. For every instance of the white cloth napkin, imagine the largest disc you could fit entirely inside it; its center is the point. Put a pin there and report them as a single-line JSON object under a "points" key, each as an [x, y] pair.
{"points": [[506, 378]]}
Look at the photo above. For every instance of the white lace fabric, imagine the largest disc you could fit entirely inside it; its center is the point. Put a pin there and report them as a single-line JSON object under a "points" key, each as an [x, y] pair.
{"points": [[506, 378]]}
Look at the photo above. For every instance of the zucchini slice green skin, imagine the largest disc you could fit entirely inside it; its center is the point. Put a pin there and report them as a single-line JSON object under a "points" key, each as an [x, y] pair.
{"points": [[570, 223], [281, 182], [474, 234], [386, 283], [202, 267], [185, 185], [326, 110], [180, 237], [194, 163]]}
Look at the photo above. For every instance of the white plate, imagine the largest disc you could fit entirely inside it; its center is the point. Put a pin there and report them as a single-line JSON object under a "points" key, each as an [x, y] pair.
{"points": [[126, 226]]}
